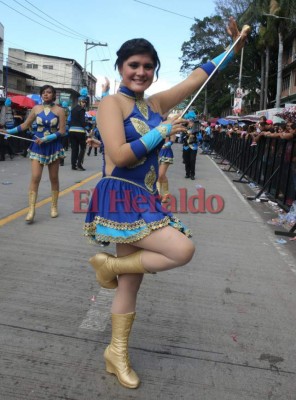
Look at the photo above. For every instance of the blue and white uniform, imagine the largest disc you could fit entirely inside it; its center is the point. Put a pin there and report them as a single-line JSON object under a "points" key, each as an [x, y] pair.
{"points": [[125, 206]]}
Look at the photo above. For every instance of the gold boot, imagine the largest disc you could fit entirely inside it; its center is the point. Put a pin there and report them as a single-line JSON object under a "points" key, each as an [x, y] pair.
{"points": [[107, 267], [54, 204], [116, 354], [32, 202], [166, 193], [159, 188]]}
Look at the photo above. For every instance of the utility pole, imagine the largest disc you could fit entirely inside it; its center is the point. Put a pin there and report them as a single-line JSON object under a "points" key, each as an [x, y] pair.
{"points": [[88, 46]]}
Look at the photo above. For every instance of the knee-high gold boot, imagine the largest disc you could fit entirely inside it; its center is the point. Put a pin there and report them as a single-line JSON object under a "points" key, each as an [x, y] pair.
{"points": [[32, 202], [107, 267], [159, 188], [166, 193], [116, 354], [54, 204]]}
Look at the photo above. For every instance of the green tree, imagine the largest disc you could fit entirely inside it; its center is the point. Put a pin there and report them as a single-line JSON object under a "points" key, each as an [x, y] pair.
{"points": [[209, 38]]}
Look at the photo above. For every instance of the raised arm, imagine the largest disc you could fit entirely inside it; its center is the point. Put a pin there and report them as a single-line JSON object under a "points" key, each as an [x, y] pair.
{"points": [[168, 99]]}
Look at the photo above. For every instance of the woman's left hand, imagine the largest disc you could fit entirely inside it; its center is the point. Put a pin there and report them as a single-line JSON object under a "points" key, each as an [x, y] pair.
{"points": [[38, 141], [92, 142]]}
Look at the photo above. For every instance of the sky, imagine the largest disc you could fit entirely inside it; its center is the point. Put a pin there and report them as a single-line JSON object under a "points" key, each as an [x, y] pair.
{"points": [[61, 27]]}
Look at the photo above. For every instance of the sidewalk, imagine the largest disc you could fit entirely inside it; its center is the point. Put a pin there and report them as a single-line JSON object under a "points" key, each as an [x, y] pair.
{"points": [[221, 328]]}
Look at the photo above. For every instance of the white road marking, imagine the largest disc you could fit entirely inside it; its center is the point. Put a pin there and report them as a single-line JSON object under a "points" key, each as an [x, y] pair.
{"points": [[98, 314]]}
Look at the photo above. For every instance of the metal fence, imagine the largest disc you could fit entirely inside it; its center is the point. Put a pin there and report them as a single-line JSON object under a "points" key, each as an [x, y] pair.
{"points": [[271, 164]]}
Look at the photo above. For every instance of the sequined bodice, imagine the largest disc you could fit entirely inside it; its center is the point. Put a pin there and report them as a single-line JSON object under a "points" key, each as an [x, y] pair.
{"points": [[47, 122], [141, 120]]}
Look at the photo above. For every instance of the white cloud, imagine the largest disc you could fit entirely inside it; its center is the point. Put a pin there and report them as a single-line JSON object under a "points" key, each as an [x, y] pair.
{"points": [[158, 86]]}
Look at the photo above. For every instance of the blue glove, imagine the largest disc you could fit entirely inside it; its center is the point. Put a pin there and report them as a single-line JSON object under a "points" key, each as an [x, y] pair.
{"points": [[168, 144], [150, 140], [51, 137]]}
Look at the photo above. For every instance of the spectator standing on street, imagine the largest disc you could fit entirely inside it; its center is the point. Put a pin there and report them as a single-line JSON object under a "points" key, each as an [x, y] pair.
{"points": [[190, 147], [77, 134], [207, 139], [47, 148], [148, 238]]}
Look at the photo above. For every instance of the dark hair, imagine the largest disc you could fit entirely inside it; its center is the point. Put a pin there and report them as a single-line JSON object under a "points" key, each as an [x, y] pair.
{"points": [[54, 92], [137, 46]]}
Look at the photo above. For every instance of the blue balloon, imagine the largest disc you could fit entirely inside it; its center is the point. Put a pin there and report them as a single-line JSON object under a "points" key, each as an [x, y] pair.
{"points": [[7, 102], [83, 91], [190, 115]]}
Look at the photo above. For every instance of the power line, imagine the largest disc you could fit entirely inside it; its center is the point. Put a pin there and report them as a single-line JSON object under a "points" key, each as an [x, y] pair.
{"points": [[46, 20], [70, 29], [163, 9], [31, 19]]}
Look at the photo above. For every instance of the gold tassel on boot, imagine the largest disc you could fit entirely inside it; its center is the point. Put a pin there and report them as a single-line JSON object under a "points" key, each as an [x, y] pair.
{"points": [[116, 354], [54, 204], [32, 202], [107, 267], [166, 193]]}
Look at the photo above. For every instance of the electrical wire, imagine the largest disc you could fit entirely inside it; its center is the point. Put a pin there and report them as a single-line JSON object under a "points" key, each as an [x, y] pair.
{"points": [[31, 19], [70, 29], [163, 9], [46, 20]]}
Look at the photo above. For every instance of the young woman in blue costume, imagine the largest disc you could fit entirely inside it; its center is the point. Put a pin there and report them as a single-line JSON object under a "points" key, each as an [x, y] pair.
{"points": [[165, 159], [125, 208], [47, 148]]}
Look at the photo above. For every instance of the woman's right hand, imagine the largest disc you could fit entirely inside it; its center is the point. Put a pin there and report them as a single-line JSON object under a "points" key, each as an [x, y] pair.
{"points": [[178, 124], [106, 85]]}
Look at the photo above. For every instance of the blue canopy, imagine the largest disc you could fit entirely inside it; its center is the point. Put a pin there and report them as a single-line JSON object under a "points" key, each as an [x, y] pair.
{"points": [[223, 121]]}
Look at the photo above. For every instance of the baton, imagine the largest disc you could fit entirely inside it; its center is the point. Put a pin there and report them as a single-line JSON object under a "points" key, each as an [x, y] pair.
{"points": [[245, 28], [18, 137]]}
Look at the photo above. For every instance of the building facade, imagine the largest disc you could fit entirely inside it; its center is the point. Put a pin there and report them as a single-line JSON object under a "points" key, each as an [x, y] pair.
{"points": [[289, 71], [66, 75]]}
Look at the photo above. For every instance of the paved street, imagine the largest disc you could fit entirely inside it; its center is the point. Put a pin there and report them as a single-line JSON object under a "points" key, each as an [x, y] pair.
{"points": [[221, 328]]}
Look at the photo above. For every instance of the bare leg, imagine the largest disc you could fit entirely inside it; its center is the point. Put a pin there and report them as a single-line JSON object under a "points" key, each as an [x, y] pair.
{"points": [[165, 249], [53, 171], [162, 173], [37, 170], [128, 285]]}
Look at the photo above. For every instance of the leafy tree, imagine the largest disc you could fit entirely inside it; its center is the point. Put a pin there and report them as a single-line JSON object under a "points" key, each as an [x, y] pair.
{"points": [[209, 38]]}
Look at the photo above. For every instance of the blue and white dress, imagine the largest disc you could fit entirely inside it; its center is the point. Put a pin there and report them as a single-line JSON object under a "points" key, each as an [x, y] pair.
{"points": [[125, 206], [166, 155], [46, 153]]}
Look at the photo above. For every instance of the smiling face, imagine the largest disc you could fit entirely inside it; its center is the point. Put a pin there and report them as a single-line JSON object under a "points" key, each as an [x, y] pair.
{"points": [[137, 72], [48, 94]]}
